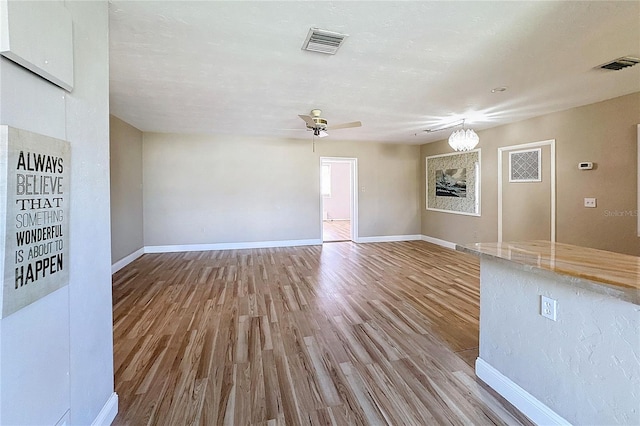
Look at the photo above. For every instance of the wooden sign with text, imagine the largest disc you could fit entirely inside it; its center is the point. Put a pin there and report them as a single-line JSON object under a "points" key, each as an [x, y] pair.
{"points": [[34, 216]]}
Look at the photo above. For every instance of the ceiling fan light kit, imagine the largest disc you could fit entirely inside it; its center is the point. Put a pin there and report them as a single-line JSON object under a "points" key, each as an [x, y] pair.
{"points": [[320, 125]]}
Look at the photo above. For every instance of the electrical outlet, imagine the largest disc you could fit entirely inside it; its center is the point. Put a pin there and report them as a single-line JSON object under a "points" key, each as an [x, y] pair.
{"points": [[590, 202], [549, 308]]}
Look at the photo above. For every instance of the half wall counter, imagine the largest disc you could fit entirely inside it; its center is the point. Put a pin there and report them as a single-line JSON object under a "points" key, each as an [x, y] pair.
{"points": [[578, 364]]}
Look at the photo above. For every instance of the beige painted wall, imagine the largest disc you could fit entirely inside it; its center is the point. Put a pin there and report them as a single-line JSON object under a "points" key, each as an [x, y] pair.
{"points": [[126, 189], [388, 184], [604, 133], [214, 189], [527, 205]]}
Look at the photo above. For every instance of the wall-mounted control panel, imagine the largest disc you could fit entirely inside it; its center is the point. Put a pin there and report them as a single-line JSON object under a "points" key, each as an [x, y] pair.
{"points": [[585, 165]]}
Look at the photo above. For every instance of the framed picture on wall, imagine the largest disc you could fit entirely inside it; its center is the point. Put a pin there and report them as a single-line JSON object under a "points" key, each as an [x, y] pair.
{"points": [[453, 183]]}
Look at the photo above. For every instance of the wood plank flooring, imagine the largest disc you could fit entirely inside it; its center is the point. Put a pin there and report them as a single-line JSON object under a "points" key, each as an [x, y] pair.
{"points": [[362, 334], [336, 230]]}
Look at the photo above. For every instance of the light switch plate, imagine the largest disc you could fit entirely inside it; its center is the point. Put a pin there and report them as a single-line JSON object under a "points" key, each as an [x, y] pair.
{"points": [[590, 202]]}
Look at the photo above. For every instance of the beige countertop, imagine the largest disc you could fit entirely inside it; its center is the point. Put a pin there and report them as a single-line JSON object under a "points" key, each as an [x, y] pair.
{"points": [[602, 271]]}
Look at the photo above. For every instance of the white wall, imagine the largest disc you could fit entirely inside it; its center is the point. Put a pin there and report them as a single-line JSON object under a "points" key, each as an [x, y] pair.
{"points": [[215, 189], [584, 366], [57, 353], [338, 204], [200, 189]]}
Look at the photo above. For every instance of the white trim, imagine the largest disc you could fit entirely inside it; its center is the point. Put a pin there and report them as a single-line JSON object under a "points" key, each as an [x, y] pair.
{"points": [[353, 170], [230, 246], [338, 159], [552, 144], [389, 238], [108, 412], [449, 154], [126, 260], [529, 405], [638, 170], [439, 242], [354, 199], [453, 211]]}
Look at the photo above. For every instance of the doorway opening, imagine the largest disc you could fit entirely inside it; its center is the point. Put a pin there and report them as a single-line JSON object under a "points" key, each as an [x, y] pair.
{"points": [[339, 199]]}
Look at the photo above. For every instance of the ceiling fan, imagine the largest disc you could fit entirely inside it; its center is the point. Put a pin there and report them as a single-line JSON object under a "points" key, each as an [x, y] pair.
{"points": [[320, 125]]}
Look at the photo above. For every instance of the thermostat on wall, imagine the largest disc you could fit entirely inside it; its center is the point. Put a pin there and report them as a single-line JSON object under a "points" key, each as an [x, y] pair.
{"points": [[585, 165]]}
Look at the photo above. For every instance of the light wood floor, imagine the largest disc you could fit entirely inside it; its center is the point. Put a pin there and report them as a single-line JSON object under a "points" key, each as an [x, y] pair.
{"points": [[336, 334], [336, 230]]}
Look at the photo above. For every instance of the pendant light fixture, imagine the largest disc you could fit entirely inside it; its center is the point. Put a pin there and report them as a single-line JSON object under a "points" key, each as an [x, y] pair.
{"points": [[463, 139]]}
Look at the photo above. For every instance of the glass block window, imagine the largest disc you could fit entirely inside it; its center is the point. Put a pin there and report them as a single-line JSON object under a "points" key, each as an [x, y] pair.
{"points": [[525, 166]]}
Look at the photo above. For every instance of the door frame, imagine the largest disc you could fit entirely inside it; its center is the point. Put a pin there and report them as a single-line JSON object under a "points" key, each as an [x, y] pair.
{"points": [[353, 199], [501, 151]]}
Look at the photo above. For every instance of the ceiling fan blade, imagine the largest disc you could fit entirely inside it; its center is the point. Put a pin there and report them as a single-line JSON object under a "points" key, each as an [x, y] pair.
{"points": [[307, 119], [345, 125], [322, 134]]}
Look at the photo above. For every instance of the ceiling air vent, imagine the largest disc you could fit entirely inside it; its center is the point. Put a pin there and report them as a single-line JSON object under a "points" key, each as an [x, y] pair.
{"points": [[618, 64], [323, 41]]}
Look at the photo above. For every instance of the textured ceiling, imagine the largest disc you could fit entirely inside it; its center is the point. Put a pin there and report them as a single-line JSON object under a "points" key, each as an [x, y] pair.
{"points": [[236, 67]]}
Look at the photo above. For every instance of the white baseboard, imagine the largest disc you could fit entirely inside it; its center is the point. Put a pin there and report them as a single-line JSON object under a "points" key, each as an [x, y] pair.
{"points": [[230, 246], [529, 405], [439, 242], [126, 260], [389, 238], [264, 244], [108, 412]]}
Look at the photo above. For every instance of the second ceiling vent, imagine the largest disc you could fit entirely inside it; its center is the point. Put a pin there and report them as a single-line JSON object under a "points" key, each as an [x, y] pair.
{"points": [[618, 64], [323, 41]]}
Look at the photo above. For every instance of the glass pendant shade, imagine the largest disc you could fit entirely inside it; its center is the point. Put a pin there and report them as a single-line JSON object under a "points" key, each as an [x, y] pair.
{"points": [[463, 140]]}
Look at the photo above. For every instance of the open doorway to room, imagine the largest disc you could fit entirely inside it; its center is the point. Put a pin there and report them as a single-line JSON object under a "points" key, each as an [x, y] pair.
{"points": [[338, 192]]}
